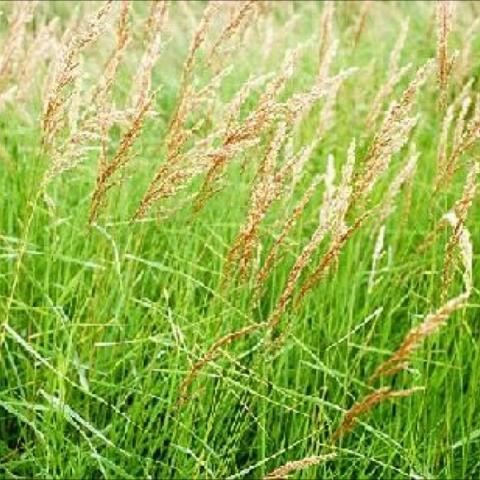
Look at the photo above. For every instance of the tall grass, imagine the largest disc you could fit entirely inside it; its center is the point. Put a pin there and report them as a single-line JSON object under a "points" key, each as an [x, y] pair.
{"points": [[238, 240]]}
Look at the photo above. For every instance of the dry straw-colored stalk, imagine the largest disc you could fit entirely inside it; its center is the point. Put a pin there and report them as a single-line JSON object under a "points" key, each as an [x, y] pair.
{"points": [[368, 403], [283, 472]]}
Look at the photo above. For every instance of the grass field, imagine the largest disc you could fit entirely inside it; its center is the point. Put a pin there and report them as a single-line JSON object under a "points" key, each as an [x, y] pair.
{"points": [[239, 240]]}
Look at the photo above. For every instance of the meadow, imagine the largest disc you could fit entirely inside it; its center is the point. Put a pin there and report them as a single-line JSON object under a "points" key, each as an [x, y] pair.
{"points": [[239, 240]]}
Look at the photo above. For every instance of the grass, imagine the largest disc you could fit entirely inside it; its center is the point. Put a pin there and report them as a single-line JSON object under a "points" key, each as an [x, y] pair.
{"points": [[102, 323]]}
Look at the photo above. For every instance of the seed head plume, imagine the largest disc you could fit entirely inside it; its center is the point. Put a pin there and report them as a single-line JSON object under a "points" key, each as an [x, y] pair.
{"points": [[442, 158], [232, 109], [176, 134], [460, 236], [235, 138], [328, 110], [405, 175], [90, 121], [210, 356], [433, 322], [464, 61], [272, 257], [298, 106], [237, 19], [303, 156], [142, 82], [437, 319], [336, 217], [394, 75], [392, 135], [282, 472], [123, 35], [333, 219], [102, 92], [444, 62], [142, 100], [12, 44], [120, 158], [7, 96], [460, 121], [293, 109], [332, 254], [66, 71], [447, 158], [378, 253], [171, 179], [264, 192], [326, 33], [237, 134], [360, 23], [367, 404], [40, 49], [465, 136], [327, 209]]}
